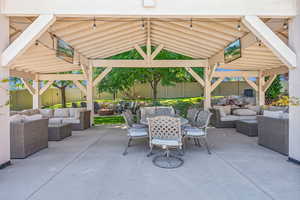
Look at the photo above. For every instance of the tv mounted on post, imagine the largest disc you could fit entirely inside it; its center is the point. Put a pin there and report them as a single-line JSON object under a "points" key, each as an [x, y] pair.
{"points": [[233, 51], [64, 51]]}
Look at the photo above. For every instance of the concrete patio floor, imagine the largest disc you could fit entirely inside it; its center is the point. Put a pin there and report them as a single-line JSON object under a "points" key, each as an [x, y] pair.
{"points": [[90, 166]]}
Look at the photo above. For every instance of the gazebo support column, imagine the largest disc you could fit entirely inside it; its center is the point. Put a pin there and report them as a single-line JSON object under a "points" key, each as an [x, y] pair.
{"points": [[207, 89], [90, 93], [4, 96], [36, 97], [261, 91], [294, 91]]}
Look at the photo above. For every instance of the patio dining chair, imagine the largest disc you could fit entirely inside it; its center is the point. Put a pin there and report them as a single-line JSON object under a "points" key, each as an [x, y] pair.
{"points": [[191, 116], [165, 132], [135, 131], [199, 131]]}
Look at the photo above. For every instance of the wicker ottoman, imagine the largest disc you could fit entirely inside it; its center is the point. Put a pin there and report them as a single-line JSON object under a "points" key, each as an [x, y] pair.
{"points": [[58, 132], [247, 127]]}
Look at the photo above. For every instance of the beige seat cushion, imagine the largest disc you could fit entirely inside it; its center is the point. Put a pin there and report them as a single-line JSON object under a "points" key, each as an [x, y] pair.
{"points": [[46, 112], [244, 112], [16, 118], [62, 112], [32, 117], [70, 121], [55, 120]]}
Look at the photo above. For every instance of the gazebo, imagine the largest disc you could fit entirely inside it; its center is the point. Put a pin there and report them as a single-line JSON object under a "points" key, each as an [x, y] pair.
{"points": [[267, 30]]}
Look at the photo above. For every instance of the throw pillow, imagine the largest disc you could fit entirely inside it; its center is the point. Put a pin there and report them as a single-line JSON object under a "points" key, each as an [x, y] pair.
{"points": [[75, 112], [62, 112], [244, 112]]}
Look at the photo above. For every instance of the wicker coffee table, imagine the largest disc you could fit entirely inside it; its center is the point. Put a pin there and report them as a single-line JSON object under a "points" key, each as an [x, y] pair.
{"points": [[57, 132], [247, 127]]}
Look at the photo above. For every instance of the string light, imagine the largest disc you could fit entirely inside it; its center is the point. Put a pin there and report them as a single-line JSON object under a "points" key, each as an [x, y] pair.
{"points": [[143, 23], [191, 23], [94, 25], [285, 25], [238, 27], [36, 43]]}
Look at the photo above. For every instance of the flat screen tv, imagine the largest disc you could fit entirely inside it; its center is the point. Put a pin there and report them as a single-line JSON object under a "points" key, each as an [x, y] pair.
{"points": [[64, 51], [233, 51]]}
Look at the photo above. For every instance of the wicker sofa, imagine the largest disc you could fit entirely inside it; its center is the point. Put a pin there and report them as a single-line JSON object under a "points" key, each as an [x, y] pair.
{"points": [[273, 133], [28, 137], [79, 118], [228, 121]]}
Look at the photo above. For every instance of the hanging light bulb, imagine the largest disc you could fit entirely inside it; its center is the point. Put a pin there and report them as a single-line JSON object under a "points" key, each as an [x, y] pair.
{"points": [[285, 25], [94, 25], [191, 23], [238, 27], [36, 43], [143, 23]]}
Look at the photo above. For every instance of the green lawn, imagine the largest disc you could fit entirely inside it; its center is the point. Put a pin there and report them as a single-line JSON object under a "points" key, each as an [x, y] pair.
{"points": [[109, 120]]}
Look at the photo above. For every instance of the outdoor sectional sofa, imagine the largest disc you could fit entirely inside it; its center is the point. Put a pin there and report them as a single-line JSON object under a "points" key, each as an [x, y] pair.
{"points": [[28, 136], [228, 119], [273, 133], [79, 118]]}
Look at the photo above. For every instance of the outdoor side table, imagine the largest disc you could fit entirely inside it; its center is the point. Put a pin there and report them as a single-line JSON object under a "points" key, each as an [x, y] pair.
{"points": [[247, 127], [57, 132]]}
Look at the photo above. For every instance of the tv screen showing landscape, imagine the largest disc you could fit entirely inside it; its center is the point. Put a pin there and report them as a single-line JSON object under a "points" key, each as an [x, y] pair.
{"points": [[233, 51], [64, 51]]}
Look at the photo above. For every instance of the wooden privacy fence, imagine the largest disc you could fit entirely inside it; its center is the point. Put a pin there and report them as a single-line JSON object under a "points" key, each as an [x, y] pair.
{"points": [[22, 99]]}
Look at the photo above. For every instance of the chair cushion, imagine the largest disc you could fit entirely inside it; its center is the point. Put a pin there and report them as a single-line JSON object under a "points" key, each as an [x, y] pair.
{"points": [[137, 132], [70, 121], [247, 117], [46, 112], [62, 112], [225, 109], [139, 126], [230, 118], [193, 131], [165, 142], [244, 112]]}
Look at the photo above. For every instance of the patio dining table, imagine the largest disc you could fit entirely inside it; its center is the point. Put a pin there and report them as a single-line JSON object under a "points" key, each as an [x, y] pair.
{"points": [[183, 121]]}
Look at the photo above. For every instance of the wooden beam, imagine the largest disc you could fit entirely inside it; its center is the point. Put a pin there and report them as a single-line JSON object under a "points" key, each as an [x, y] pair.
{"points": [[236, 74], [261, 93], [27, 37], [279, 70], [269, 82], [207, 90], [271, 40], [84, 70], [196, 76], [156, 52], [45, 88], [216, 84], [101, 76], [21, 74], [80, 86], [61, 77], [141, 52], [212, 71], [28, 86], [148, 41], [251, 83], [153, 63]]}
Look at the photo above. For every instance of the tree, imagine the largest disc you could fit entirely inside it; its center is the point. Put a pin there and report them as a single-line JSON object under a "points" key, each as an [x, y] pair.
{"points": [[274, 90], [62, 85], [118, 80]]}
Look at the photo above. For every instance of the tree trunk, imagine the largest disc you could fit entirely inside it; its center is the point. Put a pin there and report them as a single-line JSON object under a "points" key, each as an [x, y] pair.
{"points": [[114, 95], [154, 89], [63, 97]]}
